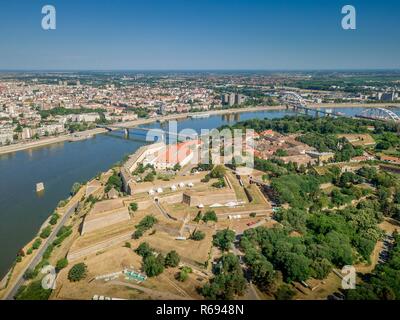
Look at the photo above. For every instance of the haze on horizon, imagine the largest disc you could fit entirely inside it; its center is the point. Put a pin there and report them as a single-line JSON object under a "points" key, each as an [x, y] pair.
{"points": [[199, 35]]}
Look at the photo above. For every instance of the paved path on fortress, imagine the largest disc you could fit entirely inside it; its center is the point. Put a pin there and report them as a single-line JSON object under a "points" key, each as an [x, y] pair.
{"points": [[39, 254]]}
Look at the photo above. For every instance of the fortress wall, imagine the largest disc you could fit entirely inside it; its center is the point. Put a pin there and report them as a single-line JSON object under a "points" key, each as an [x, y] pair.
{"points": [[193, 199], [175, 198], [143, 205], [93, 223], [136, 188], [77, 254]]}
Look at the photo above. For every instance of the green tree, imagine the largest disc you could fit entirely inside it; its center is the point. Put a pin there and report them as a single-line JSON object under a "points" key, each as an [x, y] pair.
{"points": [[61, 264], [219, 184], [54, 219], [218, 172], [152, 266], [134, 206], [285, 292], [177, 167], [182, 276], [34, 291], [383, 145], [172, 259], [210, 216], [198, 235], [127, 245], [320, 268], [77, 272], [45, 232], [262, 272], [114, 182], [30, 274], [36, 244], [149, 177], [228, 282], [224, 239], [144, 250]]}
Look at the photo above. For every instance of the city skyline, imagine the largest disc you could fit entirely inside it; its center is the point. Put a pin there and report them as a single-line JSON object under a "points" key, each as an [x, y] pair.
{"points": [[175, 35]]}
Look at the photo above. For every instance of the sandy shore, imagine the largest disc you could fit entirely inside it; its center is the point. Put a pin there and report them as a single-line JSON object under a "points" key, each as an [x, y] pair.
{"points": [[48, 141]]}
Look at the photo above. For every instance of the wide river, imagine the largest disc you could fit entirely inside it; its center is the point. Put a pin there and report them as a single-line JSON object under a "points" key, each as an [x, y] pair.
{"points": [[22, 211]]}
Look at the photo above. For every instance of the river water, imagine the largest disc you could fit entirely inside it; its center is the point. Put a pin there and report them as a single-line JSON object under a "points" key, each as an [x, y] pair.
{"points": [[59, 166]]}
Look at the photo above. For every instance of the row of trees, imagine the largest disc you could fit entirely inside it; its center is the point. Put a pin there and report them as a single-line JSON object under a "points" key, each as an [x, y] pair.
{"points": [[323, 125], [324, 237], [384, 282], [228, 282], [154, 264], [145, 224]]}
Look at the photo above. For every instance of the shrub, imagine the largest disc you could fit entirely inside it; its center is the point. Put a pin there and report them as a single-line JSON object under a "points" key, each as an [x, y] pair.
{"points": [[63, 230], [144, 250], [284, 292], [152, 266], [137, 234], [33, 291], [61, 264], [182, 276], [64, 233], [210, 216], [218, 172], [114, 182], [45, 232], [128, 245], [198, 235], [219, 184], [36, 244], [54, 219], [77, 272], [30, 274], [134, 206], [145, 224], [187, 269], [48, 251], [149, 177], [172, 259]]}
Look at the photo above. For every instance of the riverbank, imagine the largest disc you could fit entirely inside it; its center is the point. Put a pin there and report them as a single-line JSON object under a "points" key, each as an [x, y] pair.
{"points": [[135, 123], [68, 137], [48, 141], [14, 279]]}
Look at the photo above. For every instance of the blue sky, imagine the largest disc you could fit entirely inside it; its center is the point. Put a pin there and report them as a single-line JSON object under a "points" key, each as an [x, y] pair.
{"points": [[199, 34]]}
